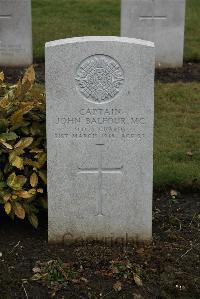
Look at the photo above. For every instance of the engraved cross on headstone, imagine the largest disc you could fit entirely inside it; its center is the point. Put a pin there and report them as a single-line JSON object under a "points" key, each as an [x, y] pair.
{"points": [[5, 16], [100, 170], [152, 16]]}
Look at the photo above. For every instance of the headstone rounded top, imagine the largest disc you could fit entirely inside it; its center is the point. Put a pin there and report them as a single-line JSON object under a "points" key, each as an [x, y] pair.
{"points": [[83, 39]]}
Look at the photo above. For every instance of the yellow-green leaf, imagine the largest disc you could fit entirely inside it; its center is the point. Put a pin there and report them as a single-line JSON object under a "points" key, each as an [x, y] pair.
{"points": [[7, 145], [11, 179], [33, 220], [8, 136], [31, 163], [24, 194], [3, 124], [16, 182], [24, 142], [4, 103], [17, 162], [43, 203], [40, 190], [29, 75], [13, 154], [7, 197], [43, 176], [42, 158], [1, 76], [18, 89], [7, 207], [34, 180], [21, 179], [19, 210], [17, 116]]}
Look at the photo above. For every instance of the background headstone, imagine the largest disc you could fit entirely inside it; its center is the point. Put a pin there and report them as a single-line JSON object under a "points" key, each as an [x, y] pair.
{"points": [[100, 107], [160, 21], [15, 33]]}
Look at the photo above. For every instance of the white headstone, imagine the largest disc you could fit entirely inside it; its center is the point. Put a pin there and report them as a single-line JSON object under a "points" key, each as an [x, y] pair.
{"points": [[15, 33], [100, 108], [160, 21]]}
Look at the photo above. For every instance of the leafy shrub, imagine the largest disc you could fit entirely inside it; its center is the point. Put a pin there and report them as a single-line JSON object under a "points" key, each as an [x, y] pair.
{"points": [[22, 148]]}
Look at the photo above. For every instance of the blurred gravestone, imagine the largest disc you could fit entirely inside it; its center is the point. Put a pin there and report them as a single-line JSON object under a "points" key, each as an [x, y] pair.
{"points": [[160, 21], [15, 33], [100, 137]]}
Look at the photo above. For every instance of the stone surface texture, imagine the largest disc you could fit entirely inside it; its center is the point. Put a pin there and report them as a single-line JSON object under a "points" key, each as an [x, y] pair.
{"points": [[100, 108], [15, 33], [160, 21]]}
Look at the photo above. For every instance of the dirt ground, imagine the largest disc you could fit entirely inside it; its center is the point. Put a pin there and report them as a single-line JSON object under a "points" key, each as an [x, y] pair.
{"points": [[188, 73], [169, 267]]}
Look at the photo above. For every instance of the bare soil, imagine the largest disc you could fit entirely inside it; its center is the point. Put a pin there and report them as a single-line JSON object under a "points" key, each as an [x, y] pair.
{"points": [[169, 267], [188, 73]]}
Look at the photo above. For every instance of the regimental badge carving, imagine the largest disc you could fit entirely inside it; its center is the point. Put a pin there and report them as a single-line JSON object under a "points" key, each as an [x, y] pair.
{"points": [[99, 78]]}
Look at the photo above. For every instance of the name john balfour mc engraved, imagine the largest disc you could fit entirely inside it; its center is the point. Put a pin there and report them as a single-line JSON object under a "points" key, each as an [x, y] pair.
{"points": [[92, 120], [100, 117], [67, 120]]}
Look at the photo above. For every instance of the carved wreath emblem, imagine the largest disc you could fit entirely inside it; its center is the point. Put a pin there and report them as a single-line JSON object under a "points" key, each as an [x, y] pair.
{"points": [[99, 78]]}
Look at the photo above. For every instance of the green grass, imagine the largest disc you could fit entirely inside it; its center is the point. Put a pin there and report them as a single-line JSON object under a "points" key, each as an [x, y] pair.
{"points": [[177, 132], [192, 31], [66, 18]]}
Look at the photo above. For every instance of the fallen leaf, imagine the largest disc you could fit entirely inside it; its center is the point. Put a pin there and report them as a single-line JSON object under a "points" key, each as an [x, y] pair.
{"points": [[83, 279], [138, 280], [189, 154], [173, 193], [36, 276], [117, 286], [36, 270], [140, 251], [137, 296]]}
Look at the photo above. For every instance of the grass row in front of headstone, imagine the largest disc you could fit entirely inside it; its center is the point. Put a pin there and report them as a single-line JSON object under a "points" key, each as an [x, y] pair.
{"points": [[54, 20], [176, 136]]}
